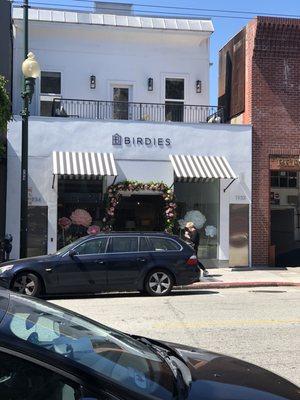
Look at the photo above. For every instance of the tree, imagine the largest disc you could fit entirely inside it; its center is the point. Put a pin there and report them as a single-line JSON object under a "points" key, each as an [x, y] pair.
{"points": [[5, 112]]}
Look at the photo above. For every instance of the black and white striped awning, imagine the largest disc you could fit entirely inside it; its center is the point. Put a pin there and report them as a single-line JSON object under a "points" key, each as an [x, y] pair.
{"points": [[193, 168], [83, 164]]}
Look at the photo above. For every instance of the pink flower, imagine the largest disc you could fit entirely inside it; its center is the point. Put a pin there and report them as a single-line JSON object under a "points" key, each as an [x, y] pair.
{"points": [[81, 217], [64, 222], [93, 230]]}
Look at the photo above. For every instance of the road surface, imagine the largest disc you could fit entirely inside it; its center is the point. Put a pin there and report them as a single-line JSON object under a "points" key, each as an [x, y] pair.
{"points": [[259, 325]]}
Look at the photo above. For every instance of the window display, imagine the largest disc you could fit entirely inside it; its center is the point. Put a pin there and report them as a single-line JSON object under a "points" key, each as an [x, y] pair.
{"points": [[199, 202], [80, 209]]}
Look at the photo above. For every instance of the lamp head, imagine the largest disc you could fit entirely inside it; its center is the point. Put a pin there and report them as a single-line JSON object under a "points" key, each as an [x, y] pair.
{"points": [[30, 67]]}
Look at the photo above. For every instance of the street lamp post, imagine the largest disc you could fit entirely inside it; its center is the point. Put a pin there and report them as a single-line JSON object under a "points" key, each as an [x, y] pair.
{"points": [[31, 71]]}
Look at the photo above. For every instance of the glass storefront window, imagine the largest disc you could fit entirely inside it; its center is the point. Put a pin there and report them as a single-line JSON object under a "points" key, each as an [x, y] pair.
{"points": [[79, 206], [284, 179], [203, 197]]}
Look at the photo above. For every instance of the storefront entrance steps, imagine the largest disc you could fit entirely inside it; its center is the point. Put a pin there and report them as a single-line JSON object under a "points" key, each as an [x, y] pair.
{"points": [[254, 277]]}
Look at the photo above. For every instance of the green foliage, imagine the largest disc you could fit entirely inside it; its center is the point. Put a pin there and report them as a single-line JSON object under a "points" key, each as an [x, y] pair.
{"points": [[2, 150], [5, 106]]}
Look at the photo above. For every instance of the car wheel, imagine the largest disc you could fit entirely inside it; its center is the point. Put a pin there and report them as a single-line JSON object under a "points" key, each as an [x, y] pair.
{"points": [[28, 284], [159, 283]]}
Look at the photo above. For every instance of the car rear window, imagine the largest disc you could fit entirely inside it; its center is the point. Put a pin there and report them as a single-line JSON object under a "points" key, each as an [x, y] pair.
{"points": [[163, 244], [123, 244]]}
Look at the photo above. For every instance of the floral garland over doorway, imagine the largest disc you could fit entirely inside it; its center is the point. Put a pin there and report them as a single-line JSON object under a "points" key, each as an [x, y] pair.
{"points": [[114, 197]]}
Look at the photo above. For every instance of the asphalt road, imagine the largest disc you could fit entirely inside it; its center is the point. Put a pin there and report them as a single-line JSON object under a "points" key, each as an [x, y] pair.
{"points": [[259, 325]]}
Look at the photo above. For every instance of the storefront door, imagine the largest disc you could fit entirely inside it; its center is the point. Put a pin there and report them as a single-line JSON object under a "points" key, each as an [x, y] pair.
{"points": [[140, 213], [37, 230], [239, 235], [285, 211]]}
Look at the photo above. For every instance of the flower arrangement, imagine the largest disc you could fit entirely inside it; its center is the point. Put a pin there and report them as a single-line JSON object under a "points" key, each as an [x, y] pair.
{"points": [[81, 217], [79, 224], [64, 223], [114, 196], [194, 216], [210, 231], [93, 230]]}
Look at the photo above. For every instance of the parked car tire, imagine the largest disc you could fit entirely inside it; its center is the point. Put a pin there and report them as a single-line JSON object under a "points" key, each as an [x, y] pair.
{"points": [[159, 282], [27, 283]]}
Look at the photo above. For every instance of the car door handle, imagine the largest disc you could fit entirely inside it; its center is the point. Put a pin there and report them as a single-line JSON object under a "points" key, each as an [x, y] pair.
{"points": [[141, 259], [48, 270], [101, 262]]}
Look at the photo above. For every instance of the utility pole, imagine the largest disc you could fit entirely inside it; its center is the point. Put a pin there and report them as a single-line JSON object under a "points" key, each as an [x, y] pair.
{"points": [[31, 71], [24, 145]]}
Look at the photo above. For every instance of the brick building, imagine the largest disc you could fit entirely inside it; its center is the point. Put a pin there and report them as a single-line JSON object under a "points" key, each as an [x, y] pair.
{"points": [[259, 84]]}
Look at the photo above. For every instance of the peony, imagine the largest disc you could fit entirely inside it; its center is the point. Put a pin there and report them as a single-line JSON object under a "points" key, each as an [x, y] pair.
{"points": [[93, 230], [81, 217], [64, 222], [210, 231]]}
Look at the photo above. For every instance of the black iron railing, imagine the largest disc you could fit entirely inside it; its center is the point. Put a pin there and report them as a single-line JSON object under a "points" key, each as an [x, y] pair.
{"points": [[154, 112]]}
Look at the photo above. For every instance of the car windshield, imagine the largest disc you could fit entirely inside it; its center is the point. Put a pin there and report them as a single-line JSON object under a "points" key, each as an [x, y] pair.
{"points": [[105, 351], [68, 247]]}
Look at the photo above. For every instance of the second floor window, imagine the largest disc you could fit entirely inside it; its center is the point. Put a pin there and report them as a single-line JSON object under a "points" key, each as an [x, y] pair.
{"points": [[50, 89], [287, 179], [174, 99], [120, 98]]}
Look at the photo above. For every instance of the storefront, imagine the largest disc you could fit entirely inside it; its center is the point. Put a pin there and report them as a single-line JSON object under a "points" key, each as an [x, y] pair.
{"points": [[285, 210], [87, 176]]}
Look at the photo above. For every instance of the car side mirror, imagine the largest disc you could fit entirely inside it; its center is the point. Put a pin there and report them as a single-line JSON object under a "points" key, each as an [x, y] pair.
{"points": [[73, 253]]}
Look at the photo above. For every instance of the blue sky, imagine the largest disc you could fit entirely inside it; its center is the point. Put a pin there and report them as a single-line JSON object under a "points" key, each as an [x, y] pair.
{"points": [[225, 28]]}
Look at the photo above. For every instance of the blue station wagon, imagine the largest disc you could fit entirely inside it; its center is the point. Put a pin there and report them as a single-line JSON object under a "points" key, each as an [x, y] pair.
{"points": [[151, 263]]}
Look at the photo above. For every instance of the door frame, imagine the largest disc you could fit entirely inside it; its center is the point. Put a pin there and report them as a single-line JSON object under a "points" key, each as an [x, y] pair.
{"points": [[121, 84]]}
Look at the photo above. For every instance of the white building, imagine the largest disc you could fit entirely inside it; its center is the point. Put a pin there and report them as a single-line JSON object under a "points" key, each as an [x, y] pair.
{"points": [[124, 97]]}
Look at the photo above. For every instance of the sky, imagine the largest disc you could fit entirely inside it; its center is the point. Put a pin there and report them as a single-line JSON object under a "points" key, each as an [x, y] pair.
{"points": [[225, 28]]}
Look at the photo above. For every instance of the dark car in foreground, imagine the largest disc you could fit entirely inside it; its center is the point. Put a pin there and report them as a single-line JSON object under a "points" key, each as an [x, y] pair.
{"points": [[50, 353], [147, 262]]}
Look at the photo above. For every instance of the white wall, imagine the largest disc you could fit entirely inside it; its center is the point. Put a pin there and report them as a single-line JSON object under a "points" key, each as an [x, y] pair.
{"points": [[143, 163], [114, 55]]}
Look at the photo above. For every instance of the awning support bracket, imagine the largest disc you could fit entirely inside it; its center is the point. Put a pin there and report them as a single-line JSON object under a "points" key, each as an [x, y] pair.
{"points": [[171, 186], [234, 179], [53, 181]]}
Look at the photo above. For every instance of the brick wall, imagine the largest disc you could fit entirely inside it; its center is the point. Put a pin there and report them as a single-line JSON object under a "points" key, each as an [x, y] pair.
{"points": [[272, 106]]}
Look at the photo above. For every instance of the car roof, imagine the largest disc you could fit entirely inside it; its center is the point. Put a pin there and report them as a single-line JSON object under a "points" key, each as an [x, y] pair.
{"points": [[133, 233]]}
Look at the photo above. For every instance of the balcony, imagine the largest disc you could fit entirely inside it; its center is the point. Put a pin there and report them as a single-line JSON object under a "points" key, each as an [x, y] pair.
{"points": [[151, 112]]}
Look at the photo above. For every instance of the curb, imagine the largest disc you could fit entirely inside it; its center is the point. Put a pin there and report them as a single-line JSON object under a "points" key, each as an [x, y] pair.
{"points": [[227, 285]]}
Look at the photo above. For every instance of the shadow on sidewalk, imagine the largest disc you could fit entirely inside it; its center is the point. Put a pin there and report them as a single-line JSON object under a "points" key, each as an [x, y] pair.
{"points": [[249, 269]]}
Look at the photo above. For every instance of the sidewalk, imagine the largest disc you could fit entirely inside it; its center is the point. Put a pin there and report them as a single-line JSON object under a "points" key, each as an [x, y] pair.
{"points": [[248, 277]]}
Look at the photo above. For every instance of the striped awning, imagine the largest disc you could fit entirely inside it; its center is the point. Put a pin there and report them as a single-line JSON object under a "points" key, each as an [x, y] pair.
{"points": [[83, 164], [193, 168]]}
